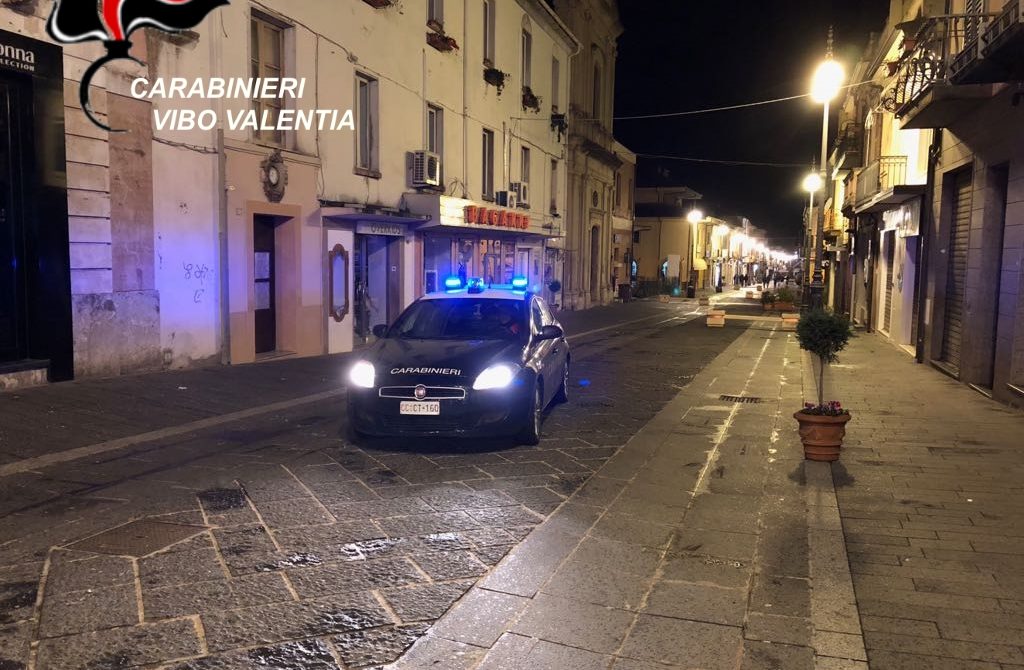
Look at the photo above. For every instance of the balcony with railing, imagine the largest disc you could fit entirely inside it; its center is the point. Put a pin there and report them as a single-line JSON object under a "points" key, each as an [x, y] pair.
{"points": [[882, 184], [949, 67], [849, 147], [1004, 39]]}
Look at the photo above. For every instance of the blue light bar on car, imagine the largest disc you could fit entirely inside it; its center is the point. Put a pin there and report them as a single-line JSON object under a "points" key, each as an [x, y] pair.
{"points": [[476, 285], [520, 282], [453, 283]]}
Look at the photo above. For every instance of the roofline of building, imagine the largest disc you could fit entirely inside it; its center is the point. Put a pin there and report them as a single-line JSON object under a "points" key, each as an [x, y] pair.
{"points": [[549, 13]]}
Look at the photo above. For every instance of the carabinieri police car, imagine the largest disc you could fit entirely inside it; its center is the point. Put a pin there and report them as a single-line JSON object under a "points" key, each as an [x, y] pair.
{"points": [[472, 360]]}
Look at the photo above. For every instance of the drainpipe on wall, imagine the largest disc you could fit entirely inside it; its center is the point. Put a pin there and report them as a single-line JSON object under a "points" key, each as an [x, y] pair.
{"points": [[927, 221], [222, 235], [465, 102]]}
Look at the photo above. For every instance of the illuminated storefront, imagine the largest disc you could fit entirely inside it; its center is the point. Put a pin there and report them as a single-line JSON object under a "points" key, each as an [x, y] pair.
{"points": [[470, 239]]}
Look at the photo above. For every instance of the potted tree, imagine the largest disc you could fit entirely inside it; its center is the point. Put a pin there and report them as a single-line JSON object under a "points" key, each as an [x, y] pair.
{"points": [[767, 300], [822, 426]]}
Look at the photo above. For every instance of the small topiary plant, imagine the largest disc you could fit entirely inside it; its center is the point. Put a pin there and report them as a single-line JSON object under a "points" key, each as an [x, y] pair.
{"points": [[824, 334]]}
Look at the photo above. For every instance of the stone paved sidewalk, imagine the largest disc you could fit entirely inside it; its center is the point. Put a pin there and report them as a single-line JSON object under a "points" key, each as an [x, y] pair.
{"points": [[931, 493], [707, 542]]}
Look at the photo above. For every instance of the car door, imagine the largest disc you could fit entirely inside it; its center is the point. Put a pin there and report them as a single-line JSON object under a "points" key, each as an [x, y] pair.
{"points": [[551, 353]]}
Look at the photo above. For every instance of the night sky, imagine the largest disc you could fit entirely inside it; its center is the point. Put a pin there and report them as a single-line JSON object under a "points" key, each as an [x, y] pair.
{"points": [[678, 55]]}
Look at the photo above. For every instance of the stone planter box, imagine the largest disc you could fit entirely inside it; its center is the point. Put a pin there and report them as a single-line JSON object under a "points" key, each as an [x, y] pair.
{"points": [[716, 318]]}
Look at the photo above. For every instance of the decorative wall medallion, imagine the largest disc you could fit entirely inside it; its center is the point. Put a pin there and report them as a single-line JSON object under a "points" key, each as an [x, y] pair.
{"points": [[274, 175]]}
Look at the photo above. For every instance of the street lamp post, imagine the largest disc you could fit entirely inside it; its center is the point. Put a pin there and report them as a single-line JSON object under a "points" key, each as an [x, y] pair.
{"points": [[825, 86], [812, 182], [694, 218]]}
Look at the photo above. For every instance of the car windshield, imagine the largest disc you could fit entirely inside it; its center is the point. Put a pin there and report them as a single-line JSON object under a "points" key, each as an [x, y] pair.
{"points": [[462, 319]]}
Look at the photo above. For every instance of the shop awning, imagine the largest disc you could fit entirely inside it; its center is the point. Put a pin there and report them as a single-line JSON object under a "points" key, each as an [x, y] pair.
{"points": [[347, 214]]}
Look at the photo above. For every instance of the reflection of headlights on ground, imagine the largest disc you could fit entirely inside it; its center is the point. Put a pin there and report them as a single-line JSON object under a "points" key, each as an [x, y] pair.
{"points": [[495, 377], [362, 375]]}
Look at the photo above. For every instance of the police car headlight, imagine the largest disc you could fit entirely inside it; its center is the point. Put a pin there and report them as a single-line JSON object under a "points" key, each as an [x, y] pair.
{"points": [[362, 375], [495, 377]]}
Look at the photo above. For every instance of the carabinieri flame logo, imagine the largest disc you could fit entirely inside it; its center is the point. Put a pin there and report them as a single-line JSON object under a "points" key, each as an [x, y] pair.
{"points": [[112, 22]]}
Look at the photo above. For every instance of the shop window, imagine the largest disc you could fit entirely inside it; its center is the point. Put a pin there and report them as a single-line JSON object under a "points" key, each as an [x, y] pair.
{"points": [[266, 61], [339, 282]]}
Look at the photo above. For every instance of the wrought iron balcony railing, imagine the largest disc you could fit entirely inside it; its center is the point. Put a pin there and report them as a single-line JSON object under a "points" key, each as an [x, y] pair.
{"points": [[881, 175], [943, 50]]}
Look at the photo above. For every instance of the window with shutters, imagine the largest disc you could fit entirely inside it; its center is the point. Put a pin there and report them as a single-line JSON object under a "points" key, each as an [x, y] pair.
{"points": [[266, 61]]}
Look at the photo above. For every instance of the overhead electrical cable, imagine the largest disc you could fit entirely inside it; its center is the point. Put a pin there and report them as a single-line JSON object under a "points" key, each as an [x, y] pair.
{"points": [[723, 162], [722, 109]]}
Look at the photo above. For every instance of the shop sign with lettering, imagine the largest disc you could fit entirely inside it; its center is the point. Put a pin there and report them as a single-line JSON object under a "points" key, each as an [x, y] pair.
{"points": [[499, 218], [16, 58], [380, 228]]}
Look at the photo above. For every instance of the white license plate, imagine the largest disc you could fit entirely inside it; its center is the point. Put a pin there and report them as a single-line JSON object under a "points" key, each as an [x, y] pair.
{"points": [[420, 408]]}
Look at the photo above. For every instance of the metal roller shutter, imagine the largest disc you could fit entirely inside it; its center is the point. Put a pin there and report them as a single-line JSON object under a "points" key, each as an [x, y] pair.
{"points": [[952, 333]]}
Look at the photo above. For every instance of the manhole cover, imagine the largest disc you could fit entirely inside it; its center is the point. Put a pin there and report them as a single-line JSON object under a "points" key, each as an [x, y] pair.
{"points": [[741, 398], [138, 538]]}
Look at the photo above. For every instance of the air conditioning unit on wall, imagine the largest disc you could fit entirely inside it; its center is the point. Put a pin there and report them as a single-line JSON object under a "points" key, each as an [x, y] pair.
{"points": [[522, 191], [424, 169], [506, 198]]}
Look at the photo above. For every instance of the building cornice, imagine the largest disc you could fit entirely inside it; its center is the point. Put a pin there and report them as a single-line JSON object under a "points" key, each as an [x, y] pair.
{"points": [[541, 11]]}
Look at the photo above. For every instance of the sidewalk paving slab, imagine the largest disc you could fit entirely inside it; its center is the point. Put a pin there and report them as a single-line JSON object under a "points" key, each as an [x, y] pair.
{"points": [[710, 544]]}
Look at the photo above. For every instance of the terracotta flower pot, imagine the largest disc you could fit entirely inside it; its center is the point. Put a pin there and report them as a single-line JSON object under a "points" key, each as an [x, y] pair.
{"points": [[822, 435]]}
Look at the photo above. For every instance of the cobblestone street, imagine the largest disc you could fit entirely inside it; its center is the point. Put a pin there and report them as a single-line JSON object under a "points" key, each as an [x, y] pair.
{"points": [[661, 523], [269, 541]]}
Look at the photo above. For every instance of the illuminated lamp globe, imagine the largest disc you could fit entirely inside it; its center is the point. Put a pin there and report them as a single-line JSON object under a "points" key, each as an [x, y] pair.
{"points": [[695, 216], [812, 182], [827, 81]]}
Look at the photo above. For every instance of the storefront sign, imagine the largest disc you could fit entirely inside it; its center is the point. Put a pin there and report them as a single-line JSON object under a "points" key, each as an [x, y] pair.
{"points": [[15, 58], [500, 218], [905, 220], [380, 228]]}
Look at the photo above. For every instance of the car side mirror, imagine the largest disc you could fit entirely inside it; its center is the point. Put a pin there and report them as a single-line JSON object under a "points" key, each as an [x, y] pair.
{"points": [[380, 330], [550, 332]]}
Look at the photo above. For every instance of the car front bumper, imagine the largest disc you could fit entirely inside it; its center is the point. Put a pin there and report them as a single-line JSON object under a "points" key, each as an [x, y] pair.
{"points": [[490, 413]]}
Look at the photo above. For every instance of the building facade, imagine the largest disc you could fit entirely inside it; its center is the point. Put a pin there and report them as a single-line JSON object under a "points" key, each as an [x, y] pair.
{"points": [[623, 198], [233, 244], [592, 160], [940, 263], [710, 254]]}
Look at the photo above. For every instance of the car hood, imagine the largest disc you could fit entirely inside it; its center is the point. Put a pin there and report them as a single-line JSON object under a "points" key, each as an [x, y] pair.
{"points": [[410, 359]]}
